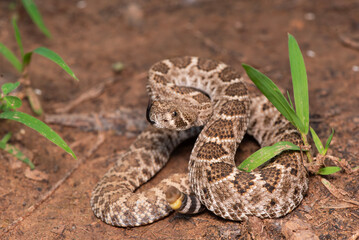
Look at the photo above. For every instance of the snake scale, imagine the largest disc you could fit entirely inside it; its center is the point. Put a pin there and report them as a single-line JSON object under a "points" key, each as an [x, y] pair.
{"points": [[186, 93]]}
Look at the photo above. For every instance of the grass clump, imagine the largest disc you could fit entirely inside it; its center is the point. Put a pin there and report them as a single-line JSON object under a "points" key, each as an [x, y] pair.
{"points": [[297, 114], [9, 103]]}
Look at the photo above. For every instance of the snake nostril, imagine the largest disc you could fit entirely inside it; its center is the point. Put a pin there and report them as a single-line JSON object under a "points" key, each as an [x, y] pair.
{"points": [[148, 112]]}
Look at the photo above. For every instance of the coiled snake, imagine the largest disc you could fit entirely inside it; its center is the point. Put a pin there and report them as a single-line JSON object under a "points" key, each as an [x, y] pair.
{"points": [[192, 91]]}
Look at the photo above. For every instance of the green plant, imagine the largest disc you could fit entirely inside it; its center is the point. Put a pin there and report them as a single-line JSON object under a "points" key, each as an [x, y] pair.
{"points": [[298, 115], [14, 151], [22, 65], [8, 104], [34, 13]]}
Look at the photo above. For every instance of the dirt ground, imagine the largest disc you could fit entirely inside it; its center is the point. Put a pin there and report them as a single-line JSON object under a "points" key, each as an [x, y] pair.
{"points": [[92, 35]]}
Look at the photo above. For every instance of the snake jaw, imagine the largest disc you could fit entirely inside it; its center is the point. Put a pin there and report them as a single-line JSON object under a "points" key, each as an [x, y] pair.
{"points": [[148, 111]]}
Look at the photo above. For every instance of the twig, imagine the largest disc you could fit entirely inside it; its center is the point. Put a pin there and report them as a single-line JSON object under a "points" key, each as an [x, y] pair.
{"points": [[124, 121], [89, 94], [349, 42], [338, 193], [92, 93]]}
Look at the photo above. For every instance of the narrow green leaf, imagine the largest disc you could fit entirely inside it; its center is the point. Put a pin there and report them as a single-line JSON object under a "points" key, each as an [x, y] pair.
{"points": [[6, 138], [9, 55], [300, 82], [264, 154], [16, 153], [45, 52], [7, 88], [317, 141], [17, 35], [329, 141], [290, 101], [328, 170], [26, 60], [35, 15], [38, 126], [12, 102], [274, 95]]}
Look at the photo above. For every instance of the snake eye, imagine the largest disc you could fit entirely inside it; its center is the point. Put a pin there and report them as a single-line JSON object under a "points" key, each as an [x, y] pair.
{"points": [[174, 114]]}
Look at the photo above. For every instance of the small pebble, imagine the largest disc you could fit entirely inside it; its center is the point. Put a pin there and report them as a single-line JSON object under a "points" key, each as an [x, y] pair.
{"points": [[37, 91], [309, 16], [355, 68], [311, 53], [81, 4], [238, 25]]}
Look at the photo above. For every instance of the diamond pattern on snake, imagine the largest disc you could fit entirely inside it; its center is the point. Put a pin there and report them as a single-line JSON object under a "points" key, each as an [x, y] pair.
{"points": [[192, 96]]}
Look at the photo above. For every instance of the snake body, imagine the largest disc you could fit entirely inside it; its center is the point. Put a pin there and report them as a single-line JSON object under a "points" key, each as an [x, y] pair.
{"points": [[192, 91]]}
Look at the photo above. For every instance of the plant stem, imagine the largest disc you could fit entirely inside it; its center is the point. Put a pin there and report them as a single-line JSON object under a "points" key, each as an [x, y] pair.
{"points": [[35, 103], [306, 144]]}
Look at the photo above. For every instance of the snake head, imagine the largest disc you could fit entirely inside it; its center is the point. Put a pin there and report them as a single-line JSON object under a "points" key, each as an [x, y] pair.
{"points": [[170, 115]]}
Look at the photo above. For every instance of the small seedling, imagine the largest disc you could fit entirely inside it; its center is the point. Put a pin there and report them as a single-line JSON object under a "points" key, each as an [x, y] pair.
{"points": [[14, 151], [297, 114], [23, 65], [8, 106]]}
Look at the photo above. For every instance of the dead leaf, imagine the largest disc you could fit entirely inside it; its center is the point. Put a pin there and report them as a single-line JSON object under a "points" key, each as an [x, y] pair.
{"points": [[349, 41], [297, 229], [36, 175], [338, 193]]}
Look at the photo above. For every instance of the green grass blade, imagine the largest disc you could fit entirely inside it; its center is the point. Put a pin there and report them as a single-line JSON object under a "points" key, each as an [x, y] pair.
{"points": [[328, 141], [6, 138], [45, 52], [17, 35], [300, 82], [38, 126], [264, 154], [290, 101], [274, 95], [10, 56], [35, 15], [26, 60], [7, 88], [16, 153], [328, 170], [317, 141]]}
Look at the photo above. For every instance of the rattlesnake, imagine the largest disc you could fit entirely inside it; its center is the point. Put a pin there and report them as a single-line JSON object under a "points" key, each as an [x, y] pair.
{"points": [[190, 91]]}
